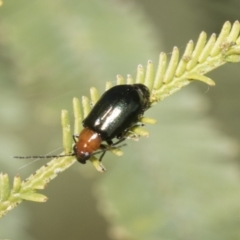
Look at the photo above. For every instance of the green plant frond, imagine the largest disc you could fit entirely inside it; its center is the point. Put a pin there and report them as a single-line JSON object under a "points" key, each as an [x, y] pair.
{"points": [[26, 190], [77, 116], [66, 129], [4, 187], [169, 77], [16, 184], [129, 79], [196, 62], [32, 196], [140, 74]]}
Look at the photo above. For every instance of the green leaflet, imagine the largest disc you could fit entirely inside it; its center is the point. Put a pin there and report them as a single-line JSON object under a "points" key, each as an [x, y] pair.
{"points": [[4, 187]]}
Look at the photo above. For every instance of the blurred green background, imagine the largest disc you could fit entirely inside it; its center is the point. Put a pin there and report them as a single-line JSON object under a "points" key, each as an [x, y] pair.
{"points": [[180, 183]]}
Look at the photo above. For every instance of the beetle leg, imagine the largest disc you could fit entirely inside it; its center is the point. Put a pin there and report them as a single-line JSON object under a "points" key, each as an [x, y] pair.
{"points": [[110, 142], [102, 155], [75, 136], [132, 135], [119, 141], [103, 146], [139, 124]]}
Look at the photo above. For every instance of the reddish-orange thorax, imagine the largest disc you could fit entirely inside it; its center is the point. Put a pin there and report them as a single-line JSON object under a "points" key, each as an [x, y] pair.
{"points": [[88, 142]]}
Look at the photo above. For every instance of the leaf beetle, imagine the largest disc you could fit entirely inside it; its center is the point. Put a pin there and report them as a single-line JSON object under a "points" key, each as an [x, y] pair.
{"points": [[118, 109]]}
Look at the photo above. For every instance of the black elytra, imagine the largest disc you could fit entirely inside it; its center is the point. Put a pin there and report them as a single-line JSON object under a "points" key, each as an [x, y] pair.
{"points": [[118, 109]]}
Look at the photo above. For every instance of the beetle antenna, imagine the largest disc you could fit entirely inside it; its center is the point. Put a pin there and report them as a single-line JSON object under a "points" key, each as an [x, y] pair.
{"points": [[36, 158], [41, 156], [105, 148]]}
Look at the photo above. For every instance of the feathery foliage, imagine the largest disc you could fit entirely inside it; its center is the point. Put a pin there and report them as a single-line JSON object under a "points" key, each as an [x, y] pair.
{"points": [[169, 77]]}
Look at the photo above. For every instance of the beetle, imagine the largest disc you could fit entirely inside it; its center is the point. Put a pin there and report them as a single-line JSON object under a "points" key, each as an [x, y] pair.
{"points": [[118, 109]]}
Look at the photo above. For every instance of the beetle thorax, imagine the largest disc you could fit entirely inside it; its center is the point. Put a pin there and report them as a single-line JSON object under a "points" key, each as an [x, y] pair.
{"points": [[88, 142]]}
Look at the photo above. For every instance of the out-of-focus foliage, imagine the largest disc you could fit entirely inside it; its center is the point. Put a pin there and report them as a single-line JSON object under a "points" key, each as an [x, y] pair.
{"points": [[177, 184], [169, 78], [51, 51]]}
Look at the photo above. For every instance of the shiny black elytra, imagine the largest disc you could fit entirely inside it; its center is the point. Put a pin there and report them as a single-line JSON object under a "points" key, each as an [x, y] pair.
{"points": [[112, 116], [118, 109]]}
